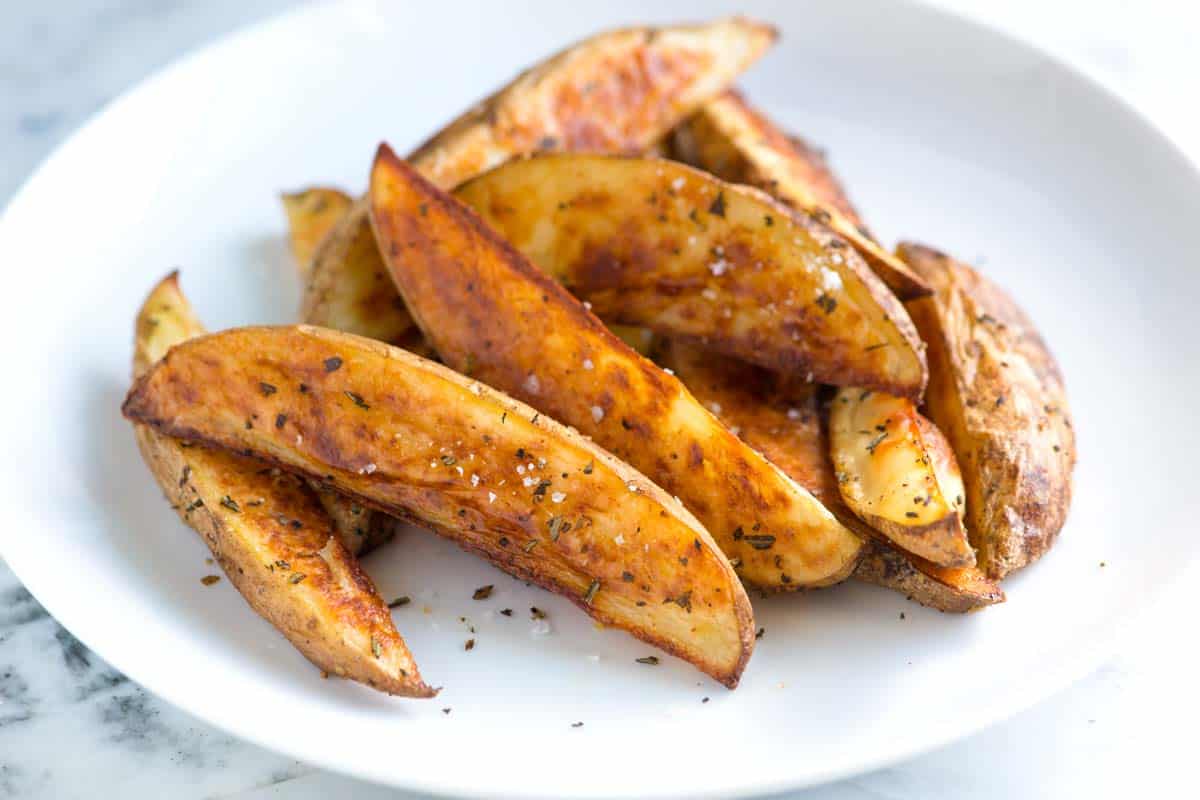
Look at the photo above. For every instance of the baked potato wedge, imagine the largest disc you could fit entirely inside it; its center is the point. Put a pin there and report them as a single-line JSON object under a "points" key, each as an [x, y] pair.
{"points": [[673, 249], [272, 538], [616, 92], [619, 92], [781, 418], [492, 314], [739, 144], [896, 471], [998, 395], [413, 439], [311, 214]]}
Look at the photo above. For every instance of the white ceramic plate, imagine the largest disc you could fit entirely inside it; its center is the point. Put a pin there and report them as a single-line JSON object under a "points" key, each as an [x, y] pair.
{"points": [[944, 132]]}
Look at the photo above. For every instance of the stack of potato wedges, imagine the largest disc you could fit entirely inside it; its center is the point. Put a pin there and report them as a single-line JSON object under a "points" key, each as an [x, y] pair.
{"points": [[617, 333]]}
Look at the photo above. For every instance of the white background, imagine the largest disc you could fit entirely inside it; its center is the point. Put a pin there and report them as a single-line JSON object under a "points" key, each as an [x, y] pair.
{"points": [[1126, 729]]}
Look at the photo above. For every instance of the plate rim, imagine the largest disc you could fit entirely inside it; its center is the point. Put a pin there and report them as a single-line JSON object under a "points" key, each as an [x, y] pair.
{"points": [[939, 733]]}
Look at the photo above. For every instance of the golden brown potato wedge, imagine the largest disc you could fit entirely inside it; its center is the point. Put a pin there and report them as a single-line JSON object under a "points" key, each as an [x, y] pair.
{"points": [[311, 214], [271, 537], [997, 393], [665, 246], [739, 144], [618, 92], [492, 314], [413, 439], [782, 420], [897, 473]]}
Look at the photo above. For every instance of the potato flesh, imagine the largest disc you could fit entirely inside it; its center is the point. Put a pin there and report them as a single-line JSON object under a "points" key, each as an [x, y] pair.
{"points": [[896, 473], [412, 439], [271, 537], [492, 314], [661, 245], [997, 393], [782, 420], [739, 144]]}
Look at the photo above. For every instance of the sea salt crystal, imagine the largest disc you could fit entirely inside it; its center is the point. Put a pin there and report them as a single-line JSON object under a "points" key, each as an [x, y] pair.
{"points": [[830, 280], [714, 408], [558, 497], [587, 364], [678, 183], [597, 413], [718, 267], [491, 497], [532, 385], [474, 479], [541, 627], [793, 413]]}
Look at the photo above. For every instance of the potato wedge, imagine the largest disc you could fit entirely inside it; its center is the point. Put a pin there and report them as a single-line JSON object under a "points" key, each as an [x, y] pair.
{"points": [[896, 471], [492, 314], [311, 214], [273, 540], [413, 439], [739, 144], [997, 393], [619, 92], [781, 418], [665, 246]]}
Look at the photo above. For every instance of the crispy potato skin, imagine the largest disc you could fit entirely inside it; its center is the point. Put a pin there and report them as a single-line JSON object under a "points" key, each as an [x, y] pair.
{"points": [[271, 537], [492, 314], [739, 144], [659, 244], [311, 214], [782, 420], [412, 439], [954, 590], [896, 472], [997, 393], [617, 92]]}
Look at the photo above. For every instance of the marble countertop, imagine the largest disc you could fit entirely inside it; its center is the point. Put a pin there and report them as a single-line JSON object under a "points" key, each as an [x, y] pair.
{"points": [[71, 726]]}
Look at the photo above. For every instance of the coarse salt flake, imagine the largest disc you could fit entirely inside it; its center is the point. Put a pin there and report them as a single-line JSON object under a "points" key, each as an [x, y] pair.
{"points": [[597, 413], [587, 364], [678, 183], [474, 479], [830, 280], [491, 497], [619, 538], [532, 384]]}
